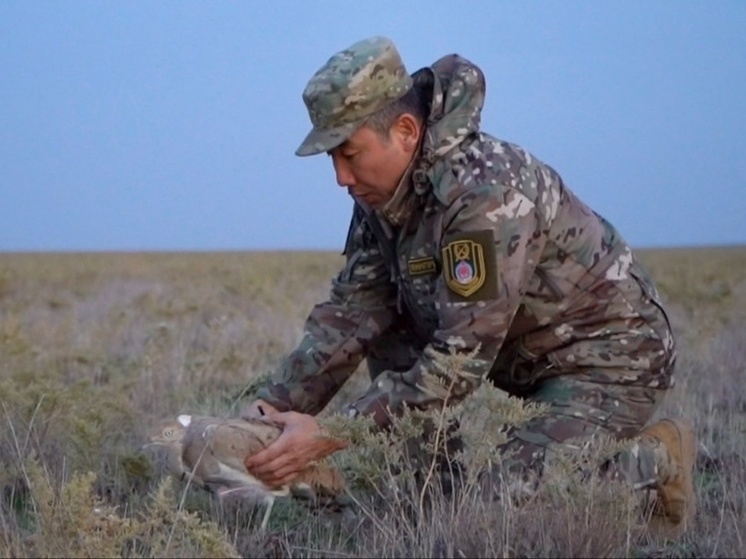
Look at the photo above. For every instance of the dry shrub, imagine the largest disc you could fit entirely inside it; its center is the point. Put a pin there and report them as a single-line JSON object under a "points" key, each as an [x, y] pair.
{"points": [[415, 507], [77, 427], [74, 522]]}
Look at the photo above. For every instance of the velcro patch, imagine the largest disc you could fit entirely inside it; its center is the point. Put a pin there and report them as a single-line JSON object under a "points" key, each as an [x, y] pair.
{"points": [[419, 266], [469, 265]]}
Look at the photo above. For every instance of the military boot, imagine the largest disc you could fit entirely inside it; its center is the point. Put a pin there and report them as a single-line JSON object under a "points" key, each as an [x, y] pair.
{"points": [[675, 450]]}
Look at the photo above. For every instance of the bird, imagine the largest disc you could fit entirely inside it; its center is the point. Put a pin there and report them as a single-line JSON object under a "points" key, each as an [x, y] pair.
{"points": [[210, 452]]}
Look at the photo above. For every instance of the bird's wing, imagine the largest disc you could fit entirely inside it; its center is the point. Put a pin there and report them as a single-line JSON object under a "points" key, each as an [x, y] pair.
{"points": [[234, 440]]}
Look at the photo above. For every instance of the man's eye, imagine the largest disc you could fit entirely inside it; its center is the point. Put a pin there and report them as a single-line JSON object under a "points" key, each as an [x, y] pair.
{"points": [[350, 155]]}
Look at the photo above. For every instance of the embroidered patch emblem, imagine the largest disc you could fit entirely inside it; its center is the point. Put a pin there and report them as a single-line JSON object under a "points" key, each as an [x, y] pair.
{"points": [[419, 266], [463, 266], [470, 270]]}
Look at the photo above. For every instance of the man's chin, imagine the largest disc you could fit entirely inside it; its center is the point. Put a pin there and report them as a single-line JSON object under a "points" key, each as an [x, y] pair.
{"points": [[369, 201]]}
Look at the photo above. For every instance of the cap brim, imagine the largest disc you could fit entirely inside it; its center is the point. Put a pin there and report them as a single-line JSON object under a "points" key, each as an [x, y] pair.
{"points": [[321, 141]]}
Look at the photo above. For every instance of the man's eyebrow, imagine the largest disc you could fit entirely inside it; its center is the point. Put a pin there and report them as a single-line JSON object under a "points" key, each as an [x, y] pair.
{"points": [[344, 145]]}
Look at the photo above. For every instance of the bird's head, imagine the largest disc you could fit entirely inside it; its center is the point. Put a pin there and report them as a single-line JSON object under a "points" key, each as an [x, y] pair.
{"points": [[169, 432]]}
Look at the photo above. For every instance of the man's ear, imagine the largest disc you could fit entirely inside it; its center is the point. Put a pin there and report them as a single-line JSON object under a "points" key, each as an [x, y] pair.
{"points": [[408, 129]]}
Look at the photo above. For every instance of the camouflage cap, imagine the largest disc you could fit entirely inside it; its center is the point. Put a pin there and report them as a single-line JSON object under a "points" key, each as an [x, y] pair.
{"points": [[351, 86]]}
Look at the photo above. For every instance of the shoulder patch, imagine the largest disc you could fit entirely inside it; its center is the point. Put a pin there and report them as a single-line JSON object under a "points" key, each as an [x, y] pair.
{"points": [[469, 265]]}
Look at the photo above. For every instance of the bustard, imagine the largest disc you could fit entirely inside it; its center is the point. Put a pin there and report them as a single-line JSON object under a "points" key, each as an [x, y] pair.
{"points": [[210, 452]]}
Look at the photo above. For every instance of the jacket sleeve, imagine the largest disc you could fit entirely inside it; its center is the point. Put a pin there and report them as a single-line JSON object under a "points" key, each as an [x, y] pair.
{"points": [[516, 228], [361, 305]]}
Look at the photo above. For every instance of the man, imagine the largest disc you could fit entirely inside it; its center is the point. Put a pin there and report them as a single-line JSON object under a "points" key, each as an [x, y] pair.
{"points": [[460, 241]]}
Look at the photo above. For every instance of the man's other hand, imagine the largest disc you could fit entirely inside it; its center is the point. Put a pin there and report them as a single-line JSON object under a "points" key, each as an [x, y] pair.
{"points": [[301, 443]]}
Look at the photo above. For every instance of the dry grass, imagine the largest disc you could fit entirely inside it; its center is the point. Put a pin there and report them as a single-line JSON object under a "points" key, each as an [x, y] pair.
{"points": [[95, 347]]}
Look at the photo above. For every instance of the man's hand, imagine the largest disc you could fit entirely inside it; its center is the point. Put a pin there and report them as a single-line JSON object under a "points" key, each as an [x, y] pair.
{"points": [[258, 408], [301, 443]]}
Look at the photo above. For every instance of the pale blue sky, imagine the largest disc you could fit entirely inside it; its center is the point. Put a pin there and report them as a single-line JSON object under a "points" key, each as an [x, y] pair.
{"points": [[153, 125]]}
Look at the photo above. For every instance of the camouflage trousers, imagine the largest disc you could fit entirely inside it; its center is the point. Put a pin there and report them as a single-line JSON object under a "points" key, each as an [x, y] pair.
{"points": [[580, 411]]}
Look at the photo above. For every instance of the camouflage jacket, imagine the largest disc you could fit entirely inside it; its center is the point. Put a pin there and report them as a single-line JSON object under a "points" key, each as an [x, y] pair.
{"points": [[495, 257]]}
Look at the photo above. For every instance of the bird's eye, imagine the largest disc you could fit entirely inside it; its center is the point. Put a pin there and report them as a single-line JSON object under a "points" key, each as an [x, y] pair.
{"points": [[168, 432]]}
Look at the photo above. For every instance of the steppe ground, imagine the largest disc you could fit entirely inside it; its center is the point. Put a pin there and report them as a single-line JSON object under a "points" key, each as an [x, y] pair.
{"points": [[94, 348]]}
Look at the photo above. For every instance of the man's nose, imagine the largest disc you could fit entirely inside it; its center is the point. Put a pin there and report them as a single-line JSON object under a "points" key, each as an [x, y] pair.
{"points": [[345, 178]]}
